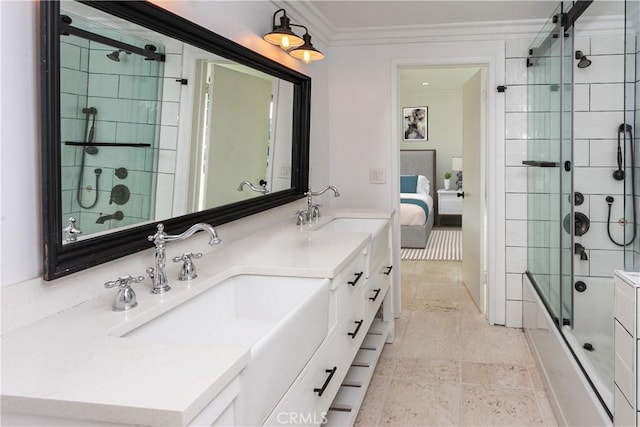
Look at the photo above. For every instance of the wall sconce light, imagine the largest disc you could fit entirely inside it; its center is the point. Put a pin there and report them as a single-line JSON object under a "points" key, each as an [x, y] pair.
{"points": [[298, 47]]}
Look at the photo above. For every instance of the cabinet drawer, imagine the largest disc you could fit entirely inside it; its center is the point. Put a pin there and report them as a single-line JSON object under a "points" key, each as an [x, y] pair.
{"points": [[349, 282], [624, 362], [624, 310], [314, 390], [450, 206], [352, 329], [309, 399], [376, 289]]}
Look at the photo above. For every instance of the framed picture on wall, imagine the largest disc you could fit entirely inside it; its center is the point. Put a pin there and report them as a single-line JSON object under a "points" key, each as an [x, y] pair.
{"points": [[415, 124]]}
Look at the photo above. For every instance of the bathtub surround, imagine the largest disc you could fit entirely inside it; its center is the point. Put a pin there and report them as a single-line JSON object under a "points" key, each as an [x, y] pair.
{"points": [[574, 115]]}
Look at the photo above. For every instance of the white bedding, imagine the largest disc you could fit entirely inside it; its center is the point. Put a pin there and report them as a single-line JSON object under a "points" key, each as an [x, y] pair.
{"points": [[411, 214]]}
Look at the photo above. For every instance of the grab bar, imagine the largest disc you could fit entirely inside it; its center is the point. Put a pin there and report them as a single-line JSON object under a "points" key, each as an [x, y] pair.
{"points": [[541, 163], [106, 144]]}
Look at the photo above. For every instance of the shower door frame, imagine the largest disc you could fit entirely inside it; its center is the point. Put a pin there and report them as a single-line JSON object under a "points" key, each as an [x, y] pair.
{"points": [[560, 319]]}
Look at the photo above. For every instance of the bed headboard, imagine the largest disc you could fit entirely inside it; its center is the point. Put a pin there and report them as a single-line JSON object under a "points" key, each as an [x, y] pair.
{"points": [[420, 162]]}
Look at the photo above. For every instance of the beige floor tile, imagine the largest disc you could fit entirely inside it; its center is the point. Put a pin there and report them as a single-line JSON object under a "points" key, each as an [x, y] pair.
{"points": [[395, 349], [496, 406], [432, 335], [477, 373], [545, 408], [448, 366], [412, 369], [512, 376], [386, 366], [411, 404], [443, 371]]}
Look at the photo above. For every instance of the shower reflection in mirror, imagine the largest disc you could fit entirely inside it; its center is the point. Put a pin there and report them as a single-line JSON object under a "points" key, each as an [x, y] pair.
{"points": [[173, 126], [110, 120]]}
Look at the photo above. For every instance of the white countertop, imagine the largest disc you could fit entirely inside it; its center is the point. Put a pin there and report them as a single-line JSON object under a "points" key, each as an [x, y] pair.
{"points": [[631, 277], [74, 365]]}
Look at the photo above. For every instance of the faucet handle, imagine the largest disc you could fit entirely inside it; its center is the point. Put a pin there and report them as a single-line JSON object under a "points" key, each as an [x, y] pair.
{"points": [[124, 281], [72, 230], [188, 270], [301, 217], [315, 211], [126, 297]]}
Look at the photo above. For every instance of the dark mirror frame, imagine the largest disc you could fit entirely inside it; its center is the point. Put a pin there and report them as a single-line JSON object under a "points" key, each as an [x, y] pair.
{"points": [[60, 260]]}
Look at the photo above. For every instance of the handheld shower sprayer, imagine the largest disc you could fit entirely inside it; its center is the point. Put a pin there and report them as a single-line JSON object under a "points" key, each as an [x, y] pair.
{"points": [[619, 175]]}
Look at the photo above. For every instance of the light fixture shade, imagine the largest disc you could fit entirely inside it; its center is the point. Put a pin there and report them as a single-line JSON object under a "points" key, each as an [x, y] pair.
{"points": [[456, 163], [306, 52], [282, 35]]}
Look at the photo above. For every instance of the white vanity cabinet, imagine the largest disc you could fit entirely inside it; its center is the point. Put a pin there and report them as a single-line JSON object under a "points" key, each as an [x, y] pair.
{"points": [[331, 387], [179, 382], [626, 345]]}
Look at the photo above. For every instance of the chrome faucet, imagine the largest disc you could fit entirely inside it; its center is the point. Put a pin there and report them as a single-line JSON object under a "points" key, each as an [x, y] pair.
{"points": [[71, 231], [313, 211], [160, 239], [263, 185], [126, 297]]}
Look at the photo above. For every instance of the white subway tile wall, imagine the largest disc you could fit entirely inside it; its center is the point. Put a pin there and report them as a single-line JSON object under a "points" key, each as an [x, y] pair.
{"points": [[126, 95], [599, 110], [515, 176]]}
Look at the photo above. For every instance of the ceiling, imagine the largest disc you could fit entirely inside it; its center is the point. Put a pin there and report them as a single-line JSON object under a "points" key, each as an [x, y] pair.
{"points": [[350, 14], [441, 79]]}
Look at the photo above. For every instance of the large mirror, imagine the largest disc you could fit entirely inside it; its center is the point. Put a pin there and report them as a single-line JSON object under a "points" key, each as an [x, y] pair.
{"points": [[148, 117]]}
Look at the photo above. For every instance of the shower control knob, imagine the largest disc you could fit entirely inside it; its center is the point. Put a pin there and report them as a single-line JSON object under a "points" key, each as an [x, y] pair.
{"points": [[580, 286]]}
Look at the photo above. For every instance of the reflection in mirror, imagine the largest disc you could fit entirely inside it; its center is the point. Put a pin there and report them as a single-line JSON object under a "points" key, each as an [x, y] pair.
{"points": [[110, 113], [240, 131], [147, 117], [152, 128]]}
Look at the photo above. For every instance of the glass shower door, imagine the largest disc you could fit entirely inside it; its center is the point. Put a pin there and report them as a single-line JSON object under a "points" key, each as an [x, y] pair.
{"points": [[544, 158]]}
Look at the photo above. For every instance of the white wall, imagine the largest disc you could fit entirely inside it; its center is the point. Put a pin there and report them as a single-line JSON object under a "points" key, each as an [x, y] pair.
{"points": [[445, 129], [243, 22], [363, 132]]}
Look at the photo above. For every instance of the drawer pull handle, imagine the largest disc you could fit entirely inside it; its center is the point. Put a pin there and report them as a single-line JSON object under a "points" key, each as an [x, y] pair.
{"points": [[388, 270], [354, 333], [375, 296], [320, 391], [358, 276]]}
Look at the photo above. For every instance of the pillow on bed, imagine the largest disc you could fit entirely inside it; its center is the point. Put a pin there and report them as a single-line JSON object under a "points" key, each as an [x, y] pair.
{"points": [[423, 185], [408, 183]]}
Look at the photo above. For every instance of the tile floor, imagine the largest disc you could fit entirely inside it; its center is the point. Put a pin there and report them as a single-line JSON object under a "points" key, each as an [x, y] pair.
{"points": [[447, 366]]}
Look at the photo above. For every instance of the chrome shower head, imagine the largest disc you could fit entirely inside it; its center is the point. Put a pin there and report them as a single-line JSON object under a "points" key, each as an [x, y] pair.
{"points": [[583, 62], [115, 55]]}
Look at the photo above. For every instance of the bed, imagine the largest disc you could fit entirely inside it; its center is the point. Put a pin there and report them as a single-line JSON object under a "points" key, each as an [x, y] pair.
{"points": [[417, 202]]}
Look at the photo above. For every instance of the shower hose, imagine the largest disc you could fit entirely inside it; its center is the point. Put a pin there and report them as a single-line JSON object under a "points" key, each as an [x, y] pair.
{"points": [[90, 113], [623, 129]]}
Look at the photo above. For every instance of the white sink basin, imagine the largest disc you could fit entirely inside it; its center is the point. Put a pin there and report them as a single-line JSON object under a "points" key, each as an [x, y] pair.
{"points": [[376, 227], [354, 225], [282, 319]]}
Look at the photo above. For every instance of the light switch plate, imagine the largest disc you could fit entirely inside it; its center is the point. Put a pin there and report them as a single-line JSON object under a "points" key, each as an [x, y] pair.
{"points": [[377, 176]]}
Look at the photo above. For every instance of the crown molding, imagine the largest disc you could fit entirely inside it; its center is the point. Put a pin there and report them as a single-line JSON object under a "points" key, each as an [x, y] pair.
{"points": [[330, 36], [438, 33]]}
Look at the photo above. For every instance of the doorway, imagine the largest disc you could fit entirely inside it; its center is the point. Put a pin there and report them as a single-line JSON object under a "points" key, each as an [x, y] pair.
{"points": [[454, 101]]}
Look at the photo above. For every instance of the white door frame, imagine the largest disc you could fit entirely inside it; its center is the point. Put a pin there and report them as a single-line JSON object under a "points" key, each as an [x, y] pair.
{"points": [[492, 179]]}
